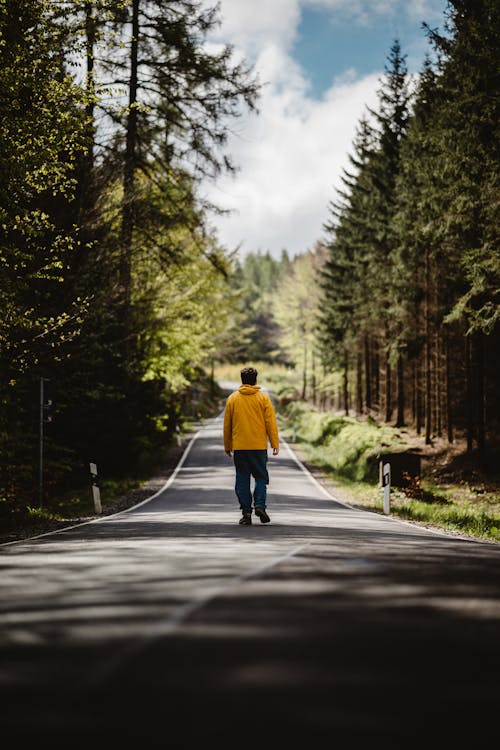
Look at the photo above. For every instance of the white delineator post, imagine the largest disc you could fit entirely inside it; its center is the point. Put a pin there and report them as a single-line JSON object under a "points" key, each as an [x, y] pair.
{"points": [[96, 494], [386, 485]]}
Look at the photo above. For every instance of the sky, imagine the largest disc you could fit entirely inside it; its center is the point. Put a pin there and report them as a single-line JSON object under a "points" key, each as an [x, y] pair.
{"points": [[320, 63]]}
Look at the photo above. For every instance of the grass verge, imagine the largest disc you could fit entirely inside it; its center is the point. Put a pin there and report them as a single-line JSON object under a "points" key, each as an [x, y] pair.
{"points": [[346, 452], [77, 505]]}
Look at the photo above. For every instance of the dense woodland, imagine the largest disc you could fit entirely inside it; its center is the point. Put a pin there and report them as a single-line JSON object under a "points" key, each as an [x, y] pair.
{"points": [[411, 287], [117, 299], [395, 313], [112, 288]]}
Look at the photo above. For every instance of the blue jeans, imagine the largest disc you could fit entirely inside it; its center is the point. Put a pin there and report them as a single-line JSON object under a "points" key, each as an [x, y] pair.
{"points": [[251, 464]]}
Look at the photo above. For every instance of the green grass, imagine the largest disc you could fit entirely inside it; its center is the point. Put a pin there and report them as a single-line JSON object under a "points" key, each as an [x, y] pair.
{"points": [[75, 504], [61, 506], [81, 502], [473, 519], [342, 444], [346, 450]]}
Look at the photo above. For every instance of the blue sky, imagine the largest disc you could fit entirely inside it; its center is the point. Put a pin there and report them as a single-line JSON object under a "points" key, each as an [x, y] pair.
{"points": [[321, 62], [329, 43]]}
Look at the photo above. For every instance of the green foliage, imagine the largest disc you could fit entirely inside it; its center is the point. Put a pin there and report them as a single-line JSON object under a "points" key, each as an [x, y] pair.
{"points": [[256, 333], [413, 240], [468, 120], [348, 449], [342, 444], [41, 136], [359, 275], [296, 308], [184, 312], [112, 288]]}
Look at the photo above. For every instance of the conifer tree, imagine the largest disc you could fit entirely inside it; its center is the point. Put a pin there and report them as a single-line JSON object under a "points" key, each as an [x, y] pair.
{"points": [[360, 280], [346, 313], [418, 194], [467, 135], [391, 117]]}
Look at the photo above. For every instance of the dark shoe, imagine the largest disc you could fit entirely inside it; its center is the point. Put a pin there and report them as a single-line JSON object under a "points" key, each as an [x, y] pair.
{"points": [[261, 513], [246, 519]]}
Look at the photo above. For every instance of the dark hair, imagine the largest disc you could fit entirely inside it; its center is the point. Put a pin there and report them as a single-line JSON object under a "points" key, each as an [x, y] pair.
{"points": [[248, 376]]}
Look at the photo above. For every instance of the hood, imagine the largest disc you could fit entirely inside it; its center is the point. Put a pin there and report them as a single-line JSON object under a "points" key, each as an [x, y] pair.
{"points": [[249, 390]]}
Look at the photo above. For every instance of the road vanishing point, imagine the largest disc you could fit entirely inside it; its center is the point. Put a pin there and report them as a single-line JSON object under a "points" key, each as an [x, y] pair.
{"points": [[170, 625]]}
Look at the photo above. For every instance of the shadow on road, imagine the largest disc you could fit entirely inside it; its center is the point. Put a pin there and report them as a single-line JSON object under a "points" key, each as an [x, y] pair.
{"points": [[171, 624]]}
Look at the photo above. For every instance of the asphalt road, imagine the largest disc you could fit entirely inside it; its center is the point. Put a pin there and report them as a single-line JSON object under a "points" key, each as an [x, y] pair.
{"points": [[171, 625]]}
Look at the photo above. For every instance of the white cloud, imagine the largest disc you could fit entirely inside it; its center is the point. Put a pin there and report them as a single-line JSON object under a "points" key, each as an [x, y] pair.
{"points": [[429, 10], [254, 24], [290, 156]]}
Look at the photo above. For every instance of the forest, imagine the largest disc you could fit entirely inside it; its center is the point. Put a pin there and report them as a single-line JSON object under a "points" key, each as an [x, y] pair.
{"points": [[117, 300], [411, 286]]}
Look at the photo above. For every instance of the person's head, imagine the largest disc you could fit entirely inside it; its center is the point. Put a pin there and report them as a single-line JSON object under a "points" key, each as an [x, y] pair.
{"points": [[248, 376]]}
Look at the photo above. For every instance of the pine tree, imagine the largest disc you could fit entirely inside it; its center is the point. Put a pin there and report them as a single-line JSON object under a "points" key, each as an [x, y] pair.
{"points": [[467, 135], [391, 117], [418, 193], [339, 277], [360, 284]]}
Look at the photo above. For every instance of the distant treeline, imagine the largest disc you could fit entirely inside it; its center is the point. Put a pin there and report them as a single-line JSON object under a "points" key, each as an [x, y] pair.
{"points": [[411, 285]]}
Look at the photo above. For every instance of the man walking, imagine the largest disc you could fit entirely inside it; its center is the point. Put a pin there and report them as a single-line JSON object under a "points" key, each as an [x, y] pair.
{"points": [[249, 423]]}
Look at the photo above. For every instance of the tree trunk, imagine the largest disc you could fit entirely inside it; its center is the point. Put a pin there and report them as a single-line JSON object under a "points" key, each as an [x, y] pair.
{"points": [[400, 414], [414, 393], [84, 173], [438, 379], [449, 413], [388, 388], [129, 171], [368, 389], [359, 384], [376, 379], [480, 418], [304, 374], [346, 383], [418, 396], [428, 391], [313, 378], [90, 39], [87, 167], [468, 394], [428, 352], [212, 378], [322, 392]]}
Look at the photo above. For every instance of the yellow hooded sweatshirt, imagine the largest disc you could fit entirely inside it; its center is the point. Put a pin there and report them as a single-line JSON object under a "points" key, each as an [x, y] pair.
{"points": [[249, 420]]}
